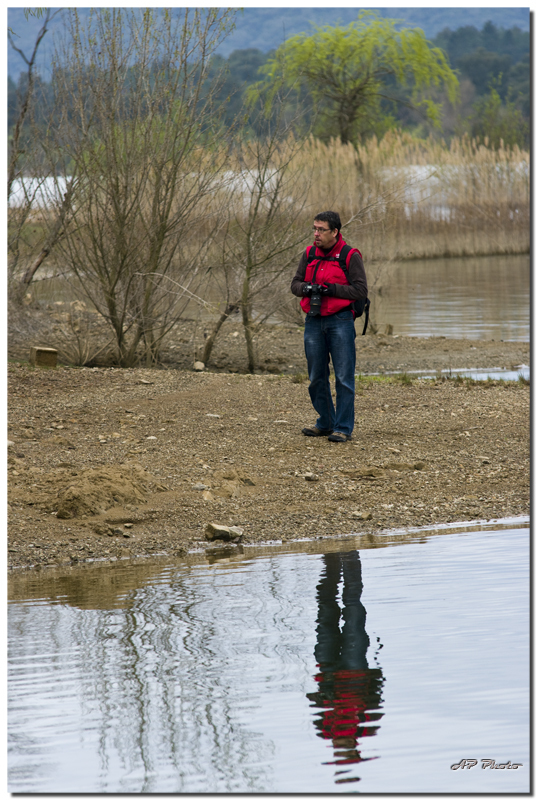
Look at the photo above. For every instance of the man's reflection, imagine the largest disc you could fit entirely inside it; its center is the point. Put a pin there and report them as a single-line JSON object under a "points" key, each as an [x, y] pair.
{"points": [[348, 690]]}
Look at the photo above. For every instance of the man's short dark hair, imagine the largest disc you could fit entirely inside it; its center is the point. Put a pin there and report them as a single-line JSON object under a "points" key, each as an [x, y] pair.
{"points": [[332, 217]]}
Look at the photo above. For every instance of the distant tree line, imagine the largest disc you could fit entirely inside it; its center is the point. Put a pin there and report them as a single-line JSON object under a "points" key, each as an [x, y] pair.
{"points": [[492, 64]]}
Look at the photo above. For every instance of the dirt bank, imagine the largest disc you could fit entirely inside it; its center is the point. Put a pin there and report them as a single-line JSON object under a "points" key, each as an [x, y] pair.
{"points": [[108, 463], [279, 348]]}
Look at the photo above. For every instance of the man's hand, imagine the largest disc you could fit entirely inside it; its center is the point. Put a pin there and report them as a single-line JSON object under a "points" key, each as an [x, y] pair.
{"points": [[328, 289]]}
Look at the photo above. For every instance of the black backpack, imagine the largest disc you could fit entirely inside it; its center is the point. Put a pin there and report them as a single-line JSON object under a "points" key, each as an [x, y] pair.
{"points": [[358, 306]]}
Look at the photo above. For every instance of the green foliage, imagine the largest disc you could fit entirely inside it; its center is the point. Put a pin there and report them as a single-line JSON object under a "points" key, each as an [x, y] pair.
{"points": [[469, 50], [29, 12], [482, 67], [234, 75], [34, 12], [517, 82], [466, 40], [344, 70], [493, 65], [499, 122]]}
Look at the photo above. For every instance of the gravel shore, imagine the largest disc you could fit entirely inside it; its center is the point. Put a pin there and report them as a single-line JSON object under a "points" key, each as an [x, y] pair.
{"points": [[110, 463]]}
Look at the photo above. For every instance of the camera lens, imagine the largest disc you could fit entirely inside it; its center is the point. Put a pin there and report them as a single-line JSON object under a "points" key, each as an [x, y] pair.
{"points": [[315, 301]]}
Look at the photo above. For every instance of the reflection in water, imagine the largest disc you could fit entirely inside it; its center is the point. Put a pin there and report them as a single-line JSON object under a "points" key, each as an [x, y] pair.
{"points": [[194, 679], [348, 690]]}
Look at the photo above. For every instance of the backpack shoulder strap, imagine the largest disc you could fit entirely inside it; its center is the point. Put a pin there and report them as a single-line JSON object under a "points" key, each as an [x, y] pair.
{"points": [[345, 256], [310, 250]]}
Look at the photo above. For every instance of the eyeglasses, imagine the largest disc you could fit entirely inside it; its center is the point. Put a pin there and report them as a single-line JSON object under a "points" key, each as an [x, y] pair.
{"points": [[320, 230]]}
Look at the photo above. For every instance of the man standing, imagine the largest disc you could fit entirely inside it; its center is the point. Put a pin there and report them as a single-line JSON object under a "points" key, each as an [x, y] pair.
{"points": [[329, 332]]}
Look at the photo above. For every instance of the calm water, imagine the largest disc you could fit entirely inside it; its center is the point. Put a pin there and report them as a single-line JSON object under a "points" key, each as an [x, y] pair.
{"points": [[371, 670], [474, 298], [471, 298]]}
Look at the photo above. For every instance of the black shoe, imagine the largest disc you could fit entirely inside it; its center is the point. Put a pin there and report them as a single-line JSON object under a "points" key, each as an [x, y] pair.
{"points": [[337, 436], [315, 432]]}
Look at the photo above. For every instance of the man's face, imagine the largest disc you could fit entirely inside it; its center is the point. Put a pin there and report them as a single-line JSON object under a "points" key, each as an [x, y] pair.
{"points": [[323, 235]]}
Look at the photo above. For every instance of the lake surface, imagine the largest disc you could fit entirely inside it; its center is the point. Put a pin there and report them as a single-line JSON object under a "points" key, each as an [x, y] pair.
{"points": [[473, 298], [316, 668], [461, 298]]}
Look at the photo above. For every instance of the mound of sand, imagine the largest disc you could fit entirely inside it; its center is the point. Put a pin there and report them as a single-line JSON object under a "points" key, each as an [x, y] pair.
{"points": [[94, 491]]}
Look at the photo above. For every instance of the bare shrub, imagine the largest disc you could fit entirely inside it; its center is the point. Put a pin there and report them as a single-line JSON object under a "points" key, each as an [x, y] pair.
{"points": [[141, 129], [262, 234]]}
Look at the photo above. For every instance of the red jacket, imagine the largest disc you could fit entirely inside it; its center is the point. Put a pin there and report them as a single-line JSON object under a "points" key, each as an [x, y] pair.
{"points": [[327, 272], [351, 701]]}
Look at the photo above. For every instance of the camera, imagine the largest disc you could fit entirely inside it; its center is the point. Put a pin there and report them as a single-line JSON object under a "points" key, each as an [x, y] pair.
{"points": [[315, 300]]}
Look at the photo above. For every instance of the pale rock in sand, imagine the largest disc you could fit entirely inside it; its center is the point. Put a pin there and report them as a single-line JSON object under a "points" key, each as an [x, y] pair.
{"points": [[227, 534]]}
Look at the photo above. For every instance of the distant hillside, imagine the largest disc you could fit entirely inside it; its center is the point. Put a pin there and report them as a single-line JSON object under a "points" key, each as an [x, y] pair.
{"points": [[266, 28]]}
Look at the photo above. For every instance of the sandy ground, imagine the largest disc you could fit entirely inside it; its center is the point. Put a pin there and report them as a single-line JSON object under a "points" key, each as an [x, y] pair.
{"points": [[110, 463]]}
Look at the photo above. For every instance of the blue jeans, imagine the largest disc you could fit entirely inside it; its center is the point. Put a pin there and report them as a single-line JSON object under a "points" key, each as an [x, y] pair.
{"points": [[326, 338]]}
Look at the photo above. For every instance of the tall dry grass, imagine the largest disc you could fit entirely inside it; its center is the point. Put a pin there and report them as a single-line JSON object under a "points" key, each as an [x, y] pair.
{"points": [[399, 198], [408, 198]]}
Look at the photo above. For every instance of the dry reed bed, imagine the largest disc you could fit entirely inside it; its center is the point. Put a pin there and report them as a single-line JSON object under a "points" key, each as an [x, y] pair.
{"points": [[400, 198], [419, 198]]}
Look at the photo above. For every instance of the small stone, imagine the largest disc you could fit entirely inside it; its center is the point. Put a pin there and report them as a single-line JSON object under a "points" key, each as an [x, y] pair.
{"points": [[207, 495], [199, 366], [214, 531], [200, 487], [214, 416], [128, 524], [310, 476], [151, 437]]}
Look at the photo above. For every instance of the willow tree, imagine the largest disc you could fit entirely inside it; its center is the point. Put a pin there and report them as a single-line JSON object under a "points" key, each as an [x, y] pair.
{"points": [[138, 125], [351, 73]]}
